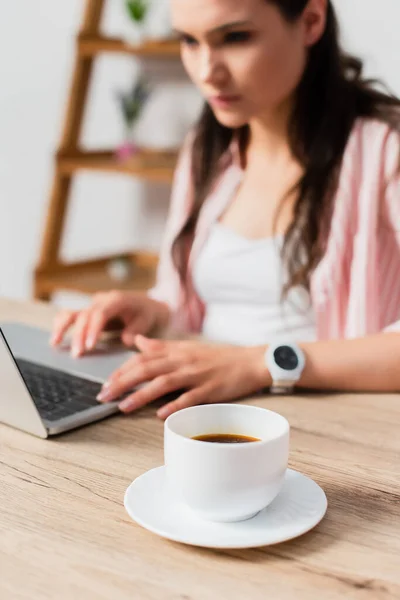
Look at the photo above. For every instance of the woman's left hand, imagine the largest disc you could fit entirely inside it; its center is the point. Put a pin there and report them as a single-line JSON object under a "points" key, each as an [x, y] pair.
{"points": [[206, 373]]}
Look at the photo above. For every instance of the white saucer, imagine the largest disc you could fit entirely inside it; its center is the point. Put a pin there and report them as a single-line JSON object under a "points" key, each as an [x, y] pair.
{"points": [[300, 506]]}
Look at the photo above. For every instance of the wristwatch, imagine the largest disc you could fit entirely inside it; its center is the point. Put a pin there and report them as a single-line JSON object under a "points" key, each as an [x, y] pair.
{"points": [[285, 363]]}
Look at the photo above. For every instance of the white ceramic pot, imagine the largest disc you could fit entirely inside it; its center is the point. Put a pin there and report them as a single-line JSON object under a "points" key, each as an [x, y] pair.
{"points": [[135, 35]]}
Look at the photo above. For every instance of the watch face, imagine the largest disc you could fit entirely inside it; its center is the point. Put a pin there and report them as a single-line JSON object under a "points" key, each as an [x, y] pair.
{"points": [[286, 358]]}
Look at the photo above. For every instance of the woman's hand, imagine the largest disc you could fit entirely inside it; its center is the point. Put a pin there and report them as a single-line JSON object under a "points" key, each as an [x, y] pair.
{"points": [[135, 313], [205, 372]]}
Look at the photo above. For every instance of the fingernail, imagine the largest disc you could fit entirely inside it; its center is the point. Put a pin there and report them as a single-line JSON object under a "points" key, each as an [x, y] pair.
{"points": [[76, 351], [162, 413], [90, 343], [106, 384], [127, 405], [103, 396], [128, 339]]}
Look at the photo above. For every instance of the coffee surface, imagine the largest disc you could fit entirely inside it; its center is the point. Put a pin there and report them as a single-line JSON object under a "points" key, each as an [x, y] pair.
{"points": [[225, 438]]}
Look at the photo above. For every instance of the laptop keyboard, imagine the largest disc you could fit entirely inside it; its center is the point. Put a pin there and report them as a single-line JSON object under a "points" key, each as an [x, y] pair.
{"points": [[57, 394]]}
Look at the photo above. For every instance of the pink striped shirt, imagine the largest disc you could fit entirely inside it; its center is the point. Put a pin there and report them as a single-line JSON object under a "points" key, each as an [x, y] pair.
{"points": [[355, 289]]}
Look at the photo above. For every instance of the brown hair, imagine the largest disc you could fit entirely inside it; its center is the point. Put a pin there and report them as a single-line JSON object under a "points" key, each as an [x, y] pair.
{"points": [[330, 97]]}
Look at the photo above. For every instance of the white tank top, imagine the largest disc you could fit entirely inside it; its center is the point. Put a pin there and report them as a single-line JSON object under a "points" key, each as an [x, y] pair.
{"points": [[240, 282]]}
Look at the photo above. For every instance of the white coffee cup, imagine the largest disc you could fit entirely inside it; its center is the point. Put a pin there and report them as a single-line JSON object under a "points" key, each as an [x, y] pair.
{"points": [[226, 482]]}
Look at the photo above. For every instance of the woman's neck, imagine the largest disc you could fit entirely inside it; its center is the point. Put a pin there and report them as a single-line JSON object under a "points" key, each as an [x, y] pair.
{"points": [[269, 135]]}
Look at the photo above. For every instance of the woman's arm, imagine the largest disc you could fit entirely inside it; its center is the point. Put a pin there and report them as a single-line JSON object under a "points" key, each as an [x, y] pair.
{"points": [[218, 373], [369, 364]]}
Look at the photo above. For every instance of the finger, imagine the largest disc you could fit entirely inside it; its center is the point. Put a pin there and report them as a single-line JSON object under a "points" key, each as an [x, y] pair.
{"points": [[160, 386], [138, 326], [79, 337], [62, 323], [132, 363], [140, 373], [147, 345], [200, 395], [97, 320]]}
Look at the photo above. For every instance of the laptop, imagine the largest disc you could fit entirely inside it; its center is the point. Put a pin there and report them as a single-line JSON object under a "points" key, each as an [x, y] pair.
{"points": [[45, 391]]}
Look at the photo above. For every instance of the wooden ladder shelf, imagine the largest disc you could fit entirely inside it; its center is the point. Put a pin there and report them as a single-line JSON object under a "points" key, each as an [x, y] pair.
{"points": [[90, 276]]}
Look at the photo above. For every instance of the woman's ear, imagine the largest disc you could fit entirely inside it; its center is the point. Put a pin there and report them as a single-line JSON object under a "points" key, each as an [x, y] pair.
{"points": [[314, 19]]}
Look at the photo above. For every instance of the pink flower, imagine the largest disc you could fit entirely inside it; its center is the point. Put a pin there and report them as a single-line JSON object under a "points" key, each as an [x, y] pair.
{"points": [[126, 150]]}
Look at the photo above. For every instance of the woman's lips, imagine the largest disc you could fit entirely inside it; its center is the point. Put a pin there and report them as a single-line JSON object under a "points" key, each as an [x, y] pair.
{"points": [[224, 100]]}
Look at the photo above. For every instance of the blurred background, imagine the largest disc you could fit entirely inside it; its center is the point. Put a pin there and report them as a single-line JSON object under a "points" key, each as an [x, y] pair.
{"points": [[115, 183]]}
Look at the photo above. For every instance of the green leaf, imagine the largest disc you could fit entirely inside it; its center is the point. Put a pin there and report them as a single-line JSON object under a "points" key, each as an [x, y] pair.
{"points": [[132, 102], [137, 9]]}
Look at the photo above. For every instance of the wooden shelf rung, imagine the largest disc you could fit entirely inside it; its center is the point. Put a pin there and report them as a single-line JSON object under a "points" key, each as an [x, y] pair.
{"points": [[154, 166], [162, 49], [91, 276]]}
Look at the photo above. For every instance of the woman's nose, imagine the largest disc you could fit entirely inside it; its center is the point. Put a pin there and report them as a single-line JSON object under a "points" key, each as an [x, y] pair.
{"points": [[212, 69]]}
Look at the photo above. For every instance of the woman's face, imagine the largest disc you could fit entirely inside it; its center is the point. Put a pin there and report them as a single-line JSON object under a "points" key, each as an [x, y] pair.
{"points": [[244, 57]]}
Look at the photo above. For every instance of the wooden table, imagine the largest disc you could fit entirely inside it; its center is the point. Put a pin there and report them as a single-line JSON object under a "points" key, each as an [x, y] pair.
{"points": [[64, 533]]}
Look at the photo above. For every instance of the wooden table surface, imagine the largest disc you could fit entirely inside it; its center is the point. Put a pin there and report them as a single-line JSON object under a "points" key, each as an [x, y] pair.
{"points": [[64, 532]]}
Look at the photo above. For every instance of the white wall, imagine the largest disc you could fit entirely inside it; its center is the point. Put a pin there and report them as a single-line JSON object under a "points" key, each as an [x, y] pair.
{"points": [[370, 29], [108, 213]]}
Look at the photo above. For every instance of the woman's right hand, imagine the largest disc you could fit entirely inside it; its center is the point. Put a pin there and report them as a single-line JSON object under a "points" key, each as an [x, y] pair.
{"points": [[137, 313]]}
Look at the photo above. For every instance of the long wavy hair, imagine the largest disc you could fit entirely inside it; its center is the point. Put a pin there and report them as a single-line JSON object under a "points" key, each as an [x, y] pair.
{"points": [[332, 94]]}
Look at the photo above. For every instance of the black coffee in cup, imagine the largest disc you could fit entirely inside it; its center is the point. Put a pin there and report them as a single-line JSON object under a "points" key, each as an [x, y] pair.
{"points": [[225, 438]]}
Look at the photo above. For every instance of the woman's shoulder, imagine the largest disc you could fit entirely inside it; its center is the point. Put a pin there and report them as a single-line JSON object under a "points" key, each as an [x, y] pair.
{"points": [[184, 159], [374, 143], [370, 172], [186, 148]]}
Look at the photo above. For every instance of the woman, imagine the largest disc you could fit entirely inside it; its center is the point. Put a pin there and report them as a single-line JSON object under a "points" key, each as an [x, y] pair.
{"points": [[284, 221]]}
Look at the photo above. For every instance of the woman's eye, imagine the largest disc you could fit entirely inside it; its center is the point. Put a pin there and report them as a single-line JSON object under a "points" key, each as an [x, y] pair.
{"points": [[188, 40], [235, 37]]}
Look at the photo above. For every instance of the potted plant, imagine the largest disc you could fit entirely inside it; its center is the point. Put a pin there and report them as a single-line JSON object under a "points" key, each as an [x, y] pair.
{"points": [[137, 11], [131, 104]]}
